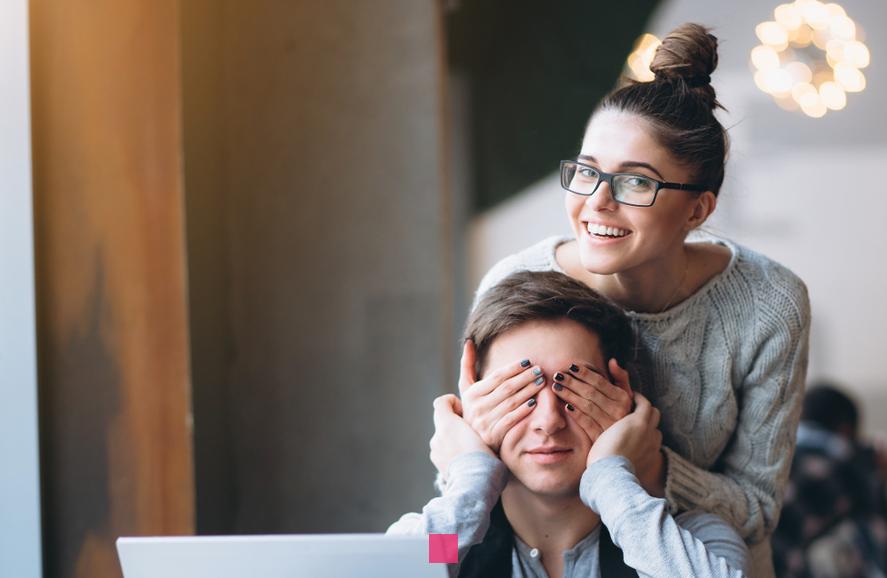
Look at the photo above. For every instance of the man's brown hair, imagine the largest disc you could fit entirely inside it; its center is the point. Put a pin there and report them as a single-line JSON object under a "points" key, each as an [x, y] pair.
{"points": [[548, 296]]}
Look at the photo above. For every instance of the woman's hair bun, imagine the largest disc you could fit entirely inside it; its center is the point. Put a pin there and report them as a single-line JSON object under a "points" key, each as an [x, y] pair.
{"points": [[688, 53]]}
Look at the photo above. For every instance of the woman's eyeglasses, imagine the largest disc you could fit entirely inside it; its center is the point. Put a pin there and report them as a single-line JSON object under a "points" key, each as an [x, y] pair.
{"points": [[626, 188]]}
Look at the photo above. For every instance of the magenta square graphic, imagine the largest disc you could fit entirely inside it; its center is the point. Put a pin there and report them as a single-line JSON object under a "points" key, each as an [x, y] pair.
{"points": [[443, 548]]}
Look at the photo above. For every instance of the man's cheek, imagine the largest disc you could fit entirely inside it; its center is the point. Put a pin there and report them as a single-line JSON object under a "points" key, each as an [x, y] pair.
{"points": [[582, 435], [511, 440]]}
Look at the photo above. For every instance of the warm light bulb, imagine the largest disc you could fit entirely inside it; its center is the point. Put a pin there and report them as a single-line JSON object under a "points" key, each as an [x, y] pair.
{"points": [[773, 34], [641, 57], [843, 28], [801, 36], [849, 78], [815, 14], [832, 95], [835, 10], [800, 89], [812, 105], [788, 16], [764, 57], [799, 72], [856, 54]]}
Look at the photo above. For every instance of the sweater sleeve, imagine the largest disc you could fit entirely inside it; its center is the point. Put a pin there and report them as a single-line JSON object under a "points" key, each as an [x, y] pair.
{"points": [[474, 484], [746, 488], [654, 543]]}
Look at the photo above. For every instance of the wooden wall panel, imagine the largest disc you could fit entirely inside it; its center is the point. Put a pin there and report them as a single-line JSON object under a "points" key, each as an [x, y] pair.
{"points": [[111, 288]]}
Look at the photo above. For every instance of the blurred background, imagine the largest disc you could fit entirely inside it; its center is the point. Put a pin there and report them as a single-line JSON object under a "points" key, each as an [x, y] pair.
{"points": [[239, 240]]}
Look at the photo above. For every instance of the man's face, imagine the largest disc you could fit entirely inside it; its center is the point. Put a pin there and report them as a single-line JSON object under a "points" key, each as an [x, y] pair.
{"points": [[547, 450]]}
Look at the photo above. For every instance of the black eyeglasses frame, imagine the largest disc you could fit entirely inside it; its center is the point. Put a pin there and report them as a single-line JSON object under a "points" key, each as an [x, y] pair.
{"points": [[608, 178]]}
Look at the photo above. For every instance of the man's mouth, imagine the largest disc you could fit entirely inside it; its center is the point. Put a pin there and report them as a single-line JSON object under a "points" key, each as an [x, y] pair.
{"points": [[549, 455], [549, 450]]}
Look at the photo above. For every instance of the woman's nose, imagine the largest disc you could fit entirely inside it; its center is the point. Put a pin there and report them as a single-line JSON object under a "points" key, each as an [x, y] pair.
{"points": [[602, 198]]}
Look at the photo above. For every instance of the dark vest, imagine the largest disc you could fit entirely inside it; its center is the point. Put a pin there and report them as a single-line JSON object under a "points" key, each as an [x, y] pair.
{"points": [[492, 557]]}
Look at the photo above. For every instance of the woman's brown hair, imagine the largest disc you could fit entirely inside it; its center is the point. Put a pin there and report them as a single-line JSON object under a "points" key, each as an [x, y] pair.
{"points": [[679, 103]]}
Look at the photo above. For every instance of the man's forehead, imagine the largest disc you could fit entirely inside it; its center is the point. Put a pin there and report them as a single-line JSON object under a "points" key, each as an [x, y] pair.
{"points": [[558, 343]]}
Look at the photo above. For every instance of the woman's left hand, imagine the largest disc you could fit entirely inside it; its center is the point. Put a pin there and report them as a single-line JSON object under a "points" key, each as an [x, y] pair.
{"points": [[636, 437], [601, 402]]}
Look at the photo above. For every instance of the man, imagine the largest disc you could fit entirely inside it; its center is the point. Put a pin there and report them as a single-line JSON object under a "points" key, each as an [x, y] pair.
{"points": [[538, 504], [834, 519]]}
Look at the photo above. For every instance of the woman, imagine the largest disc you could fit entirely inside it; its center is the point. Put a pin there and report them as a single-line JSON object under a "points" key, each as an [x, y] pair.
{"points": [[722, 331]]}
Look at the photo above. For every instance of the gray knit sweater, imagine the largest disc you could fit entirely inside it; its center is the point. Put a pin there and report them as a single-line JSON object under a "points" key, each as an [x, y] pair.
{"points": [[726, 368]]}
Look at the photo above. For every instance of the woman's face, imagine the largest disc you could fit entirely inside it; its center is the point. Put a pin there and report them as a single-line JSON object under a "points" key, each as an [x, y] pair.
{"points": [[621, 142]]}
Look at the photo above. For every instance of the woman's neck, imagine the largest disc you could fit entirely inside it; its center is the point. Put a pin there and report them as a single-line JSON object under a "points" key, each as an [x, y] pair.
{"points": [[651, 287], [553, 524]]}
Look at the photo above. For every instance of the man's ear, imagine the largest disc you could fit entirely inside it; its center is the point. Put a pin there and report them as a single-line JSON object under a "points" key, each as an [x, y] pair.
{"points": [[704, 205]]}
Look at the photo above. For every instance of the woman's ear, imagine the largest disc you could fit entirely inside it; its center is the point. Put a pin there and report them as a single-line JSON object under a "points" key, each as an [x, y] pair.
{"points": [[703, 206]]}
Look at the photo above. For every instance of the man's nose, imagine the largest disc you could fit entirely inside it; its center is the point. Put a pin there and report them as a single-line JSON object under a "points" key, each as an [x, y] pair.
{"points": [[549, 416]]}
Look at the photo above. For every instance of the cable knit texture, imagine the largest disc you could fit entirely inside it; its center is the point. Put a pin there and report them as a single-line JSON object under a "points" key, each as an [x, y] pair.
{"points": [[726, 367]]}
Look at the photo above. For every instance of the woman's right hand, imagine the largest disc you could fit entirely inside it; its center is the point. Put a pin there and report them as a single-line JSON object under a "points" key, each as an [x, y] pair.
{"points": [[493, 405], [452, 436]]}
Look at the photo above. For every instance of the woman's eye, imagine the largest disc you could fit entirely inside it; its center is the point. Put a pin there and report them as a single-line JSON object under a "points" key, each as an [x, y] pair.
{"points": [[638, 183], [588, 173]]}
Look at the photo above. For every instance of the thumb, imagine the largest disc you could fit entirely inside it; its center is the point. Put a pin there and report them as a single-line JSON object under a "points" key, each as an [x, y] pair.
{"points": [[643, 407], [466, 370], [443, 407], [620, 376], [457, 406]]}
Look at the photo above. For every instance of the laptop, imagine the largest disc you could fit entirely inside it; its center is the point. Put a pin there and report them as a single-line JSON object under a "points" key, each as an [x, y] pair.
{"points": [[278, 556]]}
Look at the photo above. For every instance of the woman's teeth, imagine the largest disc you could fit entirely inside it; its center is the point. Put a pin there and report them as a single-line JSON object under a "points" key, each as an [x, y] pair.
{"points": [[596, 229]]}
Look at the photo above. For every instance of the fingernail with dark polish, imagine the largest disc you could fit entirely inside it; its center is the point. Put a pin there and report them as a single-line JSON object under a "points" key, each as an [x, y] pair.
{"points": [[558, 387], [574, 368], [532, 402], [537, 371], [558, 376], [540, 380], [570, 407], [525, 363]]}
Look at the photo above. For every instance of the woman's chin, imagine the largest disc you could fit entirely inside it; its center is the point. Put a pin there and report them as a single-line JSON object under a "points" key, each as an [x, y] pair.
{"points": [[598, 262]]}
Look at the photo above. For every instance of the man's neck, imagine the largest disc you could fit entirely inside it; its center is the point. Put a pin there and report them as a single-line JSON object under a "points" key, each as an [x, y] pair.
{"points": [[550, 523]]}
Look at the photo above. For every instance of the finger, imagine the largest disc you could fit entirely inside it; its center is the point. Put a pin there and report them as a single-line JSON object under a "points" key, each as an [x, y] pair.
{"points": [[445, 403], [510, 419], [592, 390], [643, 407], [514, 402], [657, 417], [466, 372], [443, 407], [620, 376], [591, 428], [532, 375], [457, 406], [492, 381], [602, 383], [603, 419]]}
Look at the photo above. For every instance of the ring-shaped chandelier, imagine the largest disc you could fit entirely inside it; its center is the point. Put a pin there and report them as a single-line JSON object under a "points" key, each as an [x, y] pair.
{"points": [[811, 55]]}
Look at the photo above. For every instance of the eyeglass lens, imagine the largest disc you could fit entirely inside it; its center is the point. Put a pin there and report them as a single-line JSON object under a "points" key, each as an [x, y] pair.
{"points": [[628, 189]]}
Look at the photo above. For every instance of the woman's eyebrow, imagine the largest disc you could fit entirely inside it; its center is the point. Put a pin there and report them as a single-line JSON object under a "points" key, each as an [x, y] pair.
{"points": [[627, 165]]}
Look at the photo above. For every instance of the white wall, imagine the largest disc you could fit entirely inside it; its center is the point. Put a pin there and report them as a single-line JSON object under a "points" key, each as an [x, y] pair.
{"points": [[808, 192], [19, 481]]}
